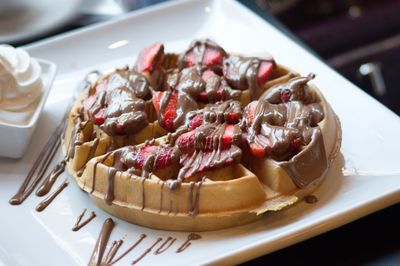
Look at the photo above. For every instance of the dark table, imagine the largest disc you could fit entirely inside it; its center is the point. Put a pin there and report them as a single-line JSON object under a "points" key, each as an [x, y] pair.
{"points": [[372, 240]]}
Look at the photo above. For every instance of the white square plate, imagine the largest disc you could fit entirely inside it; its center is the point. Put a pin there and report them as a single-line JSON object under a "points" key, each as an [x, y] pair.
{"points": [[370, 145]]}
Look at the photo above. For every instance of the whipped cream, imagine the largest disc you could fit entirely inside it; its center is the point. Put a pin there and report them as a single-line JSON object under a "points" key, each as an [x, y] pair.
{"points": [[20, 79]]}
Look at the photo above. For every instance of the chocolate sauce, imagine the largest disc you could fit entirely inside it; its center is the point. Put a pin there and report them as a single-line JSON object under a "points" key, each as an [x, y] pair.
{"points": [[42, 161], [310, 199], [48, 182], [194, 191], [95, 169], [121, 100], [113, 251], [285, 125], [187, 242], [134, 245], [43, 205], [78, 225], [143, 194], [146, 252], [198, 49], [100, 247], [170, 240], [161, 196], [109, 197], [241, 72], [90, 155]]}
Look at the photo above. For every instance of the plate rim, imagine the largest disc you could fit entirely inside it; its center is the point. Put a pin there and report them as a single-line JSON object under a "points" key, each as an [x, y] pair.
{"points": [[257, 248]]}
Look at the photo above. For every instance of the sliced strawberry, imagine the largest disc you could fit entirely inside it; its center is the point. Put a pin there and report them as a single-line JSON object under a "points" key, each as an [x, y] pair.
{"points": [[249, 111], [207, 74], [157, 96], [295, 144], [228, 137], [190, 59], [233, 118], [257, 150], [186, 141], [286, 94], [260, 147], [119, 129], [203, 97], [203, 162], [150, 58], [264, 72], [211, 57], [196, 121], [167, 118], [99, 117]]}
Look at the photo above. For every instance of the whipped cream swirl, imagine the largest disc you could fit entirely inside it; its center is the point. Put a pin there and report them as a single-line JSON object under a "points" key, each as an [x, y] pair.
{"points": [[20, 78]]}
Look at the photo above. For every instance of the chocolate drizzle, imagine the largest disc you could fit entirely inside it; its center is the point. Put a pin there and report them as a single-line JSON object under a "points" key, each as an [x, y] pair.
{"points": [[187, 243], [285, 125], [170, 240], [42, 161], [134, 245], [78, 224], [194, 196], [109, 197], [46, 202], [116, 244], [120, 100], [241, 72], [146, 252], [100, 247], [48, 182], [95, 170]]}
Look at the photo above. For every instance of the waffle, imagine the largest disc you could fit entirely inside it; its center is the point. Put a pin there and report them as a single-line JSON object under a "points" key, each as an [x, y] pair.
{"points": [[207, 157]]}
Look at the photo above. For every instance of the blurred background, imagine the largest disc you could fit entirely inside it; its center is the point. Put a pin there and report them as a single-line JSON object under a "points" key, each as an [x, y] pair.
{"points": [[367, 51], [358, 38]]}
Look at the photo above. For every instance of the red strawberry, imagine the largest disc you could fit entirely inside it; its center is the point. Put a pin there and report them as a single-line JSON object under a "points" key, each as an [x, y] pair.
{"points": [[196, 121], [167, 118], [150, 58], [207, 74], [295, 144], [211, 57], [186, 141], [233, 118], [249, 111], [264, 72], [190, 59], [203, 97], [204, 163], [228, 137], [99, 117], [119, 129], [286, 95], [261, 147]]}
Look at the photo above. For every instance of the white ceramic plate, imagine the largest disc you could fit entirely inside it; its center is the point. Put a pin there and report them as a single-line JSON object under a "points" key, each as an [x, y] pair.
{"points": [[26, 19], [370, 145]]}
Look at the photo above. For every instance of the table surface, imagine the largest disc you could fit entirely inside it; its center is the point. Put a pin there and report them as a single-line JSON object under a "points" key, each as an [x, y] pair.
{"points": [[372, 240]]}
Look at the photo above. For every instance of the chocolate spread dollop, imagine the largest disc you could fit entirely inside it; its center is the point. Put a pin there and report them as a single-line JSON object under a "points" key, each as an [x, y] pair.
{"points": [[288, 114], [121, 102]]}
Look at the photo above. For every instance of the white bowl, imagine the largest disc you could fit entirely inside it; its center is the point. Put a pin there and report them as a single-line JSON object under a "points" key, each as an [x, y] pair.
{"points": [[14, 137]]}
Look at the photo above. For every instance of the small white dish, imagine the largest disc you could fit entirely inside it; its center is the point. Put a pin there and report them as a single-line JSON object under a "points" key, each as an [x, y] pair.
{"points": [[19, 133]]}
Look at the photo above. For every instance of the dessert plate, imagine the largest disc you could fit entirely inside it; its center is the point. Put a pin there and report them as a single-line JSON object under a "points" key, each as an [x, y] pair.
{"points": [[369, 181]]}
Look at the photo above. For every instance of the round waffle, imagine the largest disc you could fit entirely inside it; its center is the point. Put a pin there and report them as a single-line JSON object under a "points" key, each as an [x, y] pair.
{"points": [[245, 136]]}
